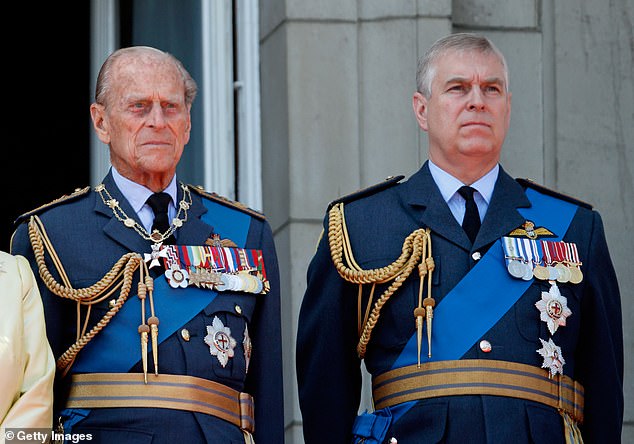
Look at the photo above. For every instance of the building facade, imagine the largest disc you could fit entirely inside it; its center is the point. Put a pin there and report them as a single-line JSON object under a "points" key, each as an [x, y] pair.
{"points": [[303, 101], [337, 77]]}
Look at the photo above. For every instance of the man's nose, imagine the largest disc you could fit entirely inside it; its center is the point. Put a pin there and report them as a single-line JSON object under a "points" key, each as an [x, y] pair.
{"points": [[475, 100], [156, 117]]}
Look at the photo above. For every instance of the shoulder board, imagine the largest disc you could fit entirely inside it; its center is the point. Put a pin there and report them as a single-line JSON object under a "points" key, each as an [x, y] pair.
{"points": [[364, 192], [198, 189], [65, 198], [550, 192]]}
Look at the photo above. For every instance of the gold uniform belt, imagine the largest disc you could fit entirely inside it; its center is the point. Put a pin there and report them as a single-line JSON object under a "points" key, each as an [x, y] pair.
{"points": [[180, 392], [478, 377]]}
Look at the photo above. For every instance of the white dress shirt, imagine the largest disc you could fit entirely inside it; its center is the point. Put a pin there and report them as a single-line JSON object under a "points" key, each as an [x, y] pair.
{"points": [[137, 195], [449, 186]]}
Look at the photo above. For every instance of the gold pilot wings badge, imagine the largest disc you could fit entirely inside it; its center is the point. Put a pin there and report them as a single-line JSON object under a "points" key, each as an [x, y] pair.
{"points": [[529, 230], [215, 268]]}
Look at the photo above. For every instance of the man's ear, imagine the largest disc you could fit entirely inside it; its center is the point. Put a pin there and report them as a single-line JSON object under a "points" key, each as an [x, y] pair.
{"points": [[99, 122], [419, 103]]}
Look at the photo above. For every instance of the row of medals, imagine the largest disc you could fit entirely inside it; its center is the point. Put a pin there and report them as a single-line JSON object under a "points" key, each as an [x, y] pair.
{"points": [[242, 281], [561, 272]]}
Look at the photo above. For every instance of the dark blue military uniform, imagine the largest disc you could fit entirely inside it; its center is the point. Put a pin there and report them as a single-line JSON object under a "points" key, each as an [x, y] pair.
{"points": [[89, 240], [378, 221]]}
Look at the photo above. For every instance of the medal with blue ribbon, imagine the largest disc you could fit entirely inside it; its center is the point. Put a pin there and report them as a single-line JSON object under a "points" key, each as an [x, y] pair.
{"points": [[216, 268]]}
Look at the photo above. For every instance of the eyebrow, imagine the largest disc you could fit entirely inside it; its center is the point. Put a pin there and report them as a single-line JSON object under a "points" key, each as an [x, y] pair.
{"points": [[132, 98], [488, 81]]}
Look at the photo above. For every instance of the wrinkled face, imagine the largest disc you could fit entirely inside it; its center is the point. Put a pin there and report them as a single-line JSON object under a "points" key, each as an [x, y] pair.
{"points": [[468, 113], [145, 120]]}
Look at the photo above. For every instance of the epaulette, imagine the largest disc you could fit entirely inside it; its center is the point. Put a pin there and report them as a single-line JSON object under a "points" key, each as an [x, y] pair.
{"points": [[550, 192], [198, 189], [364, 192], [65, 198]]}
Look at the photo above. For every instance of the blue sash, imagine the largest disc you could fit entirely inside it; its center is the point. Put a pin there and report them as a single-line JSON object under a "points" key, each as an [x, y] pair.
{"points": [[117, 347], [489, 285]]}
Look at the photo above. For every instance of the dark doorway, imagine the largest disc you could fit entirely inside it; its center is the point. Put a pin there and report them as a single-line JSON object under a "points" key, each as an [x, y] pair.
{"points": [[46, 102]]}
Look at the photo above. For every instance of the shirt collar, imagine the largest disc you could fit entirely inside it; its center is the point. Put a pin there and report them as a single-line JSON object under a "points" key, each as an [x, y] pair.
{"points": [[137, 194], [449, 185]]}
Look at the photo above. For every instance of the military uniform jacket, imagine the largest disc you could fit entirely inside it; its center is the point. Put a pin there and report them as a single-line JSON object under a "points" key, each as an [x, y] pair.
{"points": [[328, 366], [89, 240]]}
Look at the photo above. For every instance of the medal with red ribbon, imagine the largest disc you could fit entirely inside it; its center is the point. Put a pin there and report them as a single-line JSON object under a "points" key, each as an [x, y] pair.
{"points": [[213, 267]]}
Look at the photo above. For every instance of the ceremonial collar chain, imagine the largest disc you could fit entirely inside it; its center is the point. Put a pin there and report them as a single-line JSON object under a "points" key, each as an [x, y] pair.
{"points": [[129, 222]]}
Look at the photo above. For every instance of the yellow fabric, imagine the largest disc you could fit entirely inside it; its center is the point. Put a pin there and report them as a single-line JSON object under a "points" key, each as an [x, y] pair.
{"points": [[571, 429], [27, 365]]}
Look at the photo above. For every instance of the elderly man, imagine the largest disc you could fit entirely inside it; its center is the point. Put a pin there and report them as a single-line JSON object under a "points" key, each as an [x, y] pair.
{"points": [[161, 300]]}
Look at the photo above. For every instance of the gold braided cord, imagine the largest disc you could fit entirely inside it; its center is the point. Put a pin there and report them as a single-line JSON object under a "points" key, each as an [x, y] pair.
{"points": [[120, 276], [414, 247]]}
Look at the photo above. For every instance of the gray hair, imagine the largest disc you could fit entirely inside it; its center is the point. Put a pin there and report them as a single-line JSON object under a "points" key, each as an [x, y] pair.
{"points": [[104, 79], [453, 42]]}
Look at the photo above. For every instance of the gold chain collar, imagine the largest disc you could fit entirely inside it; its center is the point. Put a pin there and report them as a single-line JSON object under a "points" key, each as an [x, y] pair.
{"points": [[155, 236]]}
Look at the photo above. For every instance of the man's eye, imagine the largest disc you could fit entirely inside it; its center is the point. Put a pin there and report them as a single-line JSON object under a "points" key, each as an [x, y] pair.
{"points": [[138, 105]]}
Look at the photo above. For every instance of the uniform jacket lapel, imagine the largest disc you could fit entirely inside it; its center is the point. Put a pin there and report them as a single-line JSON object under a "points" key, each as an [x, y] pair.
{"points": [[424, 197], [193, 232], [422, 194], [502, 215], [114, 228]]}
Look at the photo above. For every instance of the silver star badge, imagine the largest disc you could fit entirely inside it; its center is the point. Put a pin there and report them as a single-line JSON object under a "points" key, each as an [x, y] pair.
{"points": [[553, 309], [220, 341], [553, 359], [248, 347]]}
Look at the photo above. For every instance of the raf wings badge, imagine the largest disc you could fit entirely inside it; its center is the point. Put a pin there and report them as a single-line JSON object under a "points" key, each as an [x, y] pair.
{"points": [[528, 229]]}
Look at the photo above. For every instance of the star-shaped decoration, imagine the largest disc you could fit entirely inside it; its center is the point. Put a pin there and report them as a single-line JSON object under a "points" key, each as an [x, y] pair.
{"points": [[248, 347], [553, 309], [553, 359], [220, 341], [155, 255]]}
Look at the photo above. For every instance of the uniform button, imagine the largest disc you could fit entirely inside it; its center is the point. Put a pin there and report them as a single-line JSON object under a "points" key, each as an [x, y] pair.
{"points": [[238, 309], [476, 256], [112, 303], [185, 334], [485, 346]]}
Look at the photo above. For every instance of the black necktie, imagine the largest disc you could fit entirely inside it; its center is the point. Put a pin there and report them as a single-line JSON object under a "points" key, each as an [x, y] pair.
{"points": [[471, 221], [159, 202]]}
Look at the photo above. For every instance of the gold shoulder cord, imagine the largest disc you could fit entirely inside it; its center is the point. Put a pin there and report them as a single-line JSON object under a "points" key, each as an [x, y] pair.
{"points": [[416, 252], [119, 277]]}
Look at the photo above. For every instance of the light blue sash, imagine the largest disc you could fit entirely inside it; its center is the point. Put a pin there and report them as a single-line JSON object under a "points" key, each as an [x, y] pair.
{"points": [[117, 347]]}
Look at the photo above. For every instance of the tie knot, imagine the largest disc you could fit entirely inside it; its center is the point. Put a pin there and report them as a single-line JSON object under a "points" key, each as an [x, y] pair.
{"points": [[159, 202], [466, 192]]}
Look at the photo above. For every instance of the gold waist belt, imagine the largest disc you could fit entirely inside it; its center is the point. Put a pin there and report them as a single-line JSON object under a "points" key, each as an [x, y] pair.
{"points": [[478, 377], [180, 392]]}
